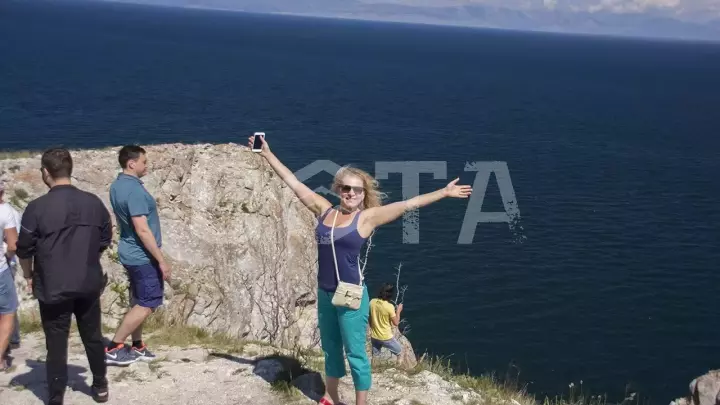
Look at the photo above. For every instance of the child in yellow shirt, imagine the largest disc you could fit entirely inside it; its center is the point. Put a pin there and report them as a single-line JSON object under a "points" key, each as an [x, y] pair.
{"points": [[382, 315]]}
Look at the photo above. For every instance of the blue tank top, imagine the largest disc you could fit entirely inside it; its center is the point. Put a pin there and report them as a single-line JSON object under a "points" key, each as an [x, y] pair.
{"points": [[348, 244]]}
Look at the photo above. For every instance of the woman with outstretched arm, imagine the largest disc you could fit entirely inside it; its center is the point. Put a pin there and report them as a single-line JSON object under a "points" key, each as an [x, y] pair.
{"points": [[341, 232]]}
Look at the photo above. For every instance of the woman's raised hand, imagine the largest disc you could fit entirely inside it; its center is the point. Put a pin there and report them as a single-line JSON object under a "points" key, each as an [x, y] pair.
{"points": [[265, 148], [455, 191]]}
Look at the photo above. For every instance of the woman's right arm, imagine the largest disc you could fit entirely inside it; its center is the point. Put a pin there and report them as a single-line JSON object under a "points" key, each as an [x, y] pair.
{"points": [[314, 201]]}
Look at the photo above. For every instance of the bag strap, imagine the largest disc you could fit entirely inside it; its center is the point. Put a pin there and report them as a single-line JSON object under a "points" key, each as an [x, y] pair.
{"points": [[332, 243]]}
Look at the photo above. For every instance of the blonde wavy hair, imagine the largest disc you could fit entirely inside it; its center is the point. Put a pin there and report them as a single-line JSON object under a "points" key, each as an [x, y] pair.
{"points": [[373, 196]]}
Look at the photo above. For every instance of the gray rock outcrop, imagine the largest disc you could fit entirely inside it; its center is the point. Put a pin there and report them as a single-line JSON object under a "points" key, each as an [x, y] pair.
{"points": [[240, 243], [180, 376], [704, 390], [406, 360]]}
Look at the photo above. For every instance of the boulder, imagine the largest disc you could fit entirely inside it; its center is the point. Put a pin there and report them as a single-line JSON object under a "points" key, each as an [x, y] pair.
{"points": [[704, 390], [406, 360]]}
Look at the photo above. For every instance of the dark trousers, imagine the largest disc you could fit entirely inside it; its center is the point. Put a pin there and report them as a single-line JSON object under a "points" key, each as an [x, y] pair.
{"points": [[56, 323]]}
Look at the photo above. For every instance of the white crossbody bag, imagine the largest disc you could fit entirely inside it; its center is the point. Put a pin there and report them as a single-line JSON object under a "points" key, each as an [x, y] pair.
{"points": [[347, 294]]}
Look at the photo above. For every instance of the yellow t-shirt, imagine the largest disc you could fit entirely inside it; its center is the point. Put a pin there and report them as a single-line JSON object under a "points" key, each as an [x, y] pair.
{"points": [[381, 314]]}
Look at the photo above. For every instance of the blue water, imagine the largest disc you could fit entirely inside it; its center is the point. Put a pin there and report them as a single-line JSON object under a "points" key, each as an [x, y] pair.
{"points": [[612, 145]]}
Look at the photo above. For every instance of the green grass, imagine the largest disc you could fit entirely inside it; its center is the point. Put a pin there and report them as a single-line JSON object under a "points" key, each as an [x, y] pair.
{"points": [[18, 154], [21, 193], [126, 375], [113, 255], [16, 202], [577, 396], [160, 331], [496, 391], [30, 321], [492, 390], [434, 364], [285, 390], [19, 197], [155, 364], [315, 364], [121, 290], [380, 366]]}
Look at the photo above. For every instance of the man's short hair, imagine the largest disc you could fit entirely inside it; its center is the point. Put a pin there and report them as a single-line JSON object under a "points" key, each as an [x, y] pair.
{"points": [[129, 152], [57, 162]]}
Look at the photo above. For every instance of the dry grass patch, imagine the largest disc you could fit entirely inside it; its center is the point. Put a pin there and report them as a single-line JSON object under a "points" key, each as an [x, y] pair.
{"points": [[18, 154], [30, 321], [160, 332]]}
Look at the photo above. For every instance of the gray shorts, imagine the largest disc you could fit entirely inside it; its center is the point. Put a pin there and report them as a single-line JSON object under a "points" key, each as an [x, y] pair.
{"points": [[8, 295]]}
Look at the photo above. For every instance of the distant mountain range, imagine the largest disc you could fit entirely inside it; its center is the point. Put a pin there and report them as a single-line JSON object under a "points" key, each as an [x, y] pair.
{"points": [[655, 24]]}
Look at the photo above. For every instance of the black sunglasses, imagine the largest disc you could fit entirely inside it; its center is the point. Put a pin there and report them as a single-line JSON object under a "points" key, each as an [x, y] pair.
{"points": [[346, 189]]}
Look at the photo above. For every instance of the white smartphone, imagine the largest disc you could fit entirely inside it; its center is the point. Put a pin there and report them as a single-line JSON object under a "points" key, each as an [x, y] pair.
{"points": [[257, 143]]}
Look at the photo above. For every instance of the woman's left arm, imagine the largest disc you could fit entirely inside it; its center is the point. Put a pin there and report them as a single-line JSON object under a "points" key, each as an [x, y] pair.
{"points": [[377, 216]]}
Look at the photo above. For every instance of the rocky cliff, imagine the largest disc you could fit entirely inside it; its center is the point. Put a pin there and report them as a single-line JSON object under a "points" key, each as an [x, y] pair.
{"points": [[704, 390], [240, 243], [245, 374]]}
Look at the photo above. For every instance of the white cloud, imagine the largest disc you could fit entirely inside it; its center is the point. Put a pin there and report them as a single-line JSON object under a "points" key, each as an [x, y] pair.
{"points": [[550, 4], [693, 10], [633, 6]]}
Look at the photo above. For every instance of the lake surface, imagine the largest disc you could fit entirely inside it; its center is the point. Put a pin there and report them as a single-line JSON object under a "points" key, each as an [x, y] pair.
{"points": [[610, 274]]}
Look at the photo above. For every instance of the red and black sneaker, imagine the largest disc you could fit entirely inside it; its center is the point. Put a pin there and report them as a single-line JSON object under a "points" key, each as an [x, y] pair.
{"points": [[142, 353]]}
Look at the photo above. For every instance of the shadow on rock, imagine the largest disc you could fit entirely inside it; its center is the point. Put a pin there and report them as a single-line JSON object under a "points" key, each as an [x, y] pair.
{"points": [[35, 380], [278, 369], [232, 358]]}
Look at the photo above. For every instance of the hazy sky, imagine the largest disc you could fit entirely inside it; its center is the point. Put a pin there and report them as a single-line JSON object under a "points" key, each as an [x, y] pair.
{"points": [[690, 9], [689, 19]]}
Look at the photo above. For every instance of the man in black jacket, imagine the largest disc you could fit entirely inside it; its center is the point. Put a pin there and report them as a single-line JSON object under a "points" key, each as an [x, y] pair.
{"points": [[62, 236]]}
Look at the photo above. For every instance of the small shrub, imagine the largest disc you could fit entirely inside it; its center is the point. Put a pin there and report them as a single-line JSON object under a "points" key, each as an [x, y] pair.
{"points": [[285, 390], [113, 255], [14, 200], [21, 193], [30, 321]]}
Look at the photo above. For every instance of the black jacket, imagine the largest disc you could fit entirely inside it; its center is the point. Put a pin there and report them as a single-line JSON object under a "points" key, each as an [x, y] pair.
{"points": [[66, 231]]}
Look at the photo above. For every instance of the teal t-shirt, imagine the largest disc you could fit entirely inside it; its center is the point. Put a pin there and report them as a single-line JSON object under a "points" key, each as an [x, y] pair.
{"points": [[129, 198]]}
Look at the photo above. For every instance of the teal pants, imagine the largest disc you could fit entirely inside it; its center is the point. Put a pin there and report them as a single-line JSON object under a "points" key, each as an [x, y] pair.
{"points": [[345, 328]]}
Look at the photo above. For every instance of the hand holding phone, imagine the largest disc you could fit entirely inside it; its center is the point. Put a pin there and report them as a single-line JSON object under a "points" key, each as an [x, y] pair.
{"points": [[257, 142]]}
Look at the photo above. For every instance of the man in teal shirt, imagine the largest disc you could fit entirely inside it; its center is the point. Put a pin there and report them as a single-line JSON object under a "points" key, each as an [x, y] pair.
{"points": [[139, 252]]}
